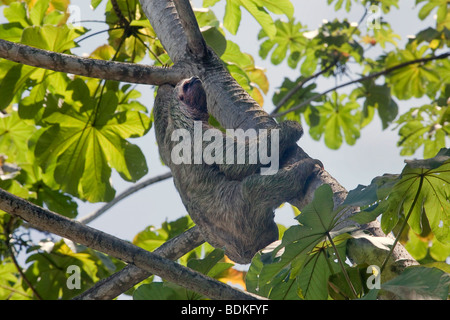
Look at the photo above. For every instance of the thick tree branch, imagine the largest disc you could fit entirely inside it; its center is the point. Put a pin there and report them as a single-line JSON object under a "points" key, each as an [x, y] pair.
{"points": [[164, 19], [123, 195], [196, 43], [370, 76], [94, 68], [118, 248], [131, 275]]}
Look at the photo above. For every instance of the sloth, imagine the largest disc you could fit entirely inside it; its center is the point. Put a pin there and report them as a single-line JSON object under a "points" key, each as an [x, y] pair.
{"points": [[232, 203]]}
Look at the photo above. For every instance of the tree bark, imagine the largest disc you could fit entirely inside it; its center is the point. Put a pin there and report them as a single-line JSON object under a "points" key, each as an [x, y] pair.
{"points": [[94, 68]]}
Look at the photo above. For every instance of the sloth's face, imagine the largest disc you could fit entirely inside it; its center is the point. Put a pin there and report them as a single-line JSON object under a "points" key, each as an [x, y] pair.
{"points": [[191, 93]]}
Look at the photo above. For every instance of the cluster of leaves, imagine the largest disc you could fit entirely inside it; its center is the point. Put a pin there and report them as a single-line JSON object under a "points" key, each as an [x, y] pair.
{"points": [[328, 52], [309, 262]]}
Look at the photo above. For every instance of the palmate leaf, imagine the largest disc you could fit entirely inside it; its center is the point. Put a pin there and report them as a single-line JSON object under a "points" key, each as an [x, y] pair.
{"points": [[378, 97], [271, 273], [422, 189], [413, 80], [337, 121], [83, 143], [427, 126], [14, 135], [288, 39]]}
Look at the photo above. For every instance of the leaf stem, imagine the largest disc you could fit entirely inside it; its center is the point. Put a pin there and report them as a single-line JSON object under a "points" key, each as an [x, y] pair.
{"points": [[341, 264], [416, 197]]}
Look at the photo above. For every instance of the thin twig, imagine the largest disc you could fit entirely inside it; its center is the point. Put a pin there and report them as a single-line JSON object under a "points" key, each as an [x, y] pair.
{"points": [[299, 85], [370, 76], [14, 260], [88, 218]]}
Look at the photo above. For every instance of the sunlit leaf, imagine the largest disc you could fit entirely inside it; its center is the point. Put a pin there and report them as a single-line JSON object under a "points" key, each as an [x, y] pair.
{"points": [[422, 190], [86, 144], [257, 9], [337, 121]]}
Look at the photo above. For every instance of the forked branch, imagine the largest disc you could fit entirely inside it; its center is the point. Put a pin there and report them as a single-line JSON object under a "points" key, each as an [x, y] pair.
{"points": [[120, 249]]}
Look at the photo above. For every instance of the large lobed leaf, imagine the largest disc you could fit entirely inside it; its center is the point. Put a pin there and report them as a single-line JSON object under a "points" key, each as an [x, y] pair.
{"points": [[85, 140]]}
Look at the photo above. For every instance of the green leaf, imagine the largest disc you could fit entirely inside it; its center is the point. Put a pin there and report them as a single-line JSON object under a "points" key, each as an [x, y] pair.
{"points": [[11, 287], [432, 4], [48, 271], [57, 201], [288, 38], [261, 15], [38, 10], [286, 261], [310, 63], [53, 38], [11, 31], [159, 291], [314, 278], [209, 3], [83, 144], [414, 79], [422, 190], [215, 39], [420, 283], [209, 265], [151, 238], [384, 35], [95, 3], [9, 85], [337, 120], [232, 17], [14, 135], [423, 126], [16, 12], [257, 9]]}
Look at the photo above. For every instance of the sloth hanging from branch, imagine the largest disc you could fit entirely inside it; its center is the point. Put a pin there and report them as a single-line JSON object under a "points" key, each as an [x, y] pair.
{"points": [[232, 202]]}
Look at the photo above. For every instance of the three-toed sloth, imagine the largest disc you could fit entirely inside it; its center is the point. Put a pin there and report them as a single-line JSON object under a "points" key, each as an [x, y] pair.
{"points": [[232, 202]]}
